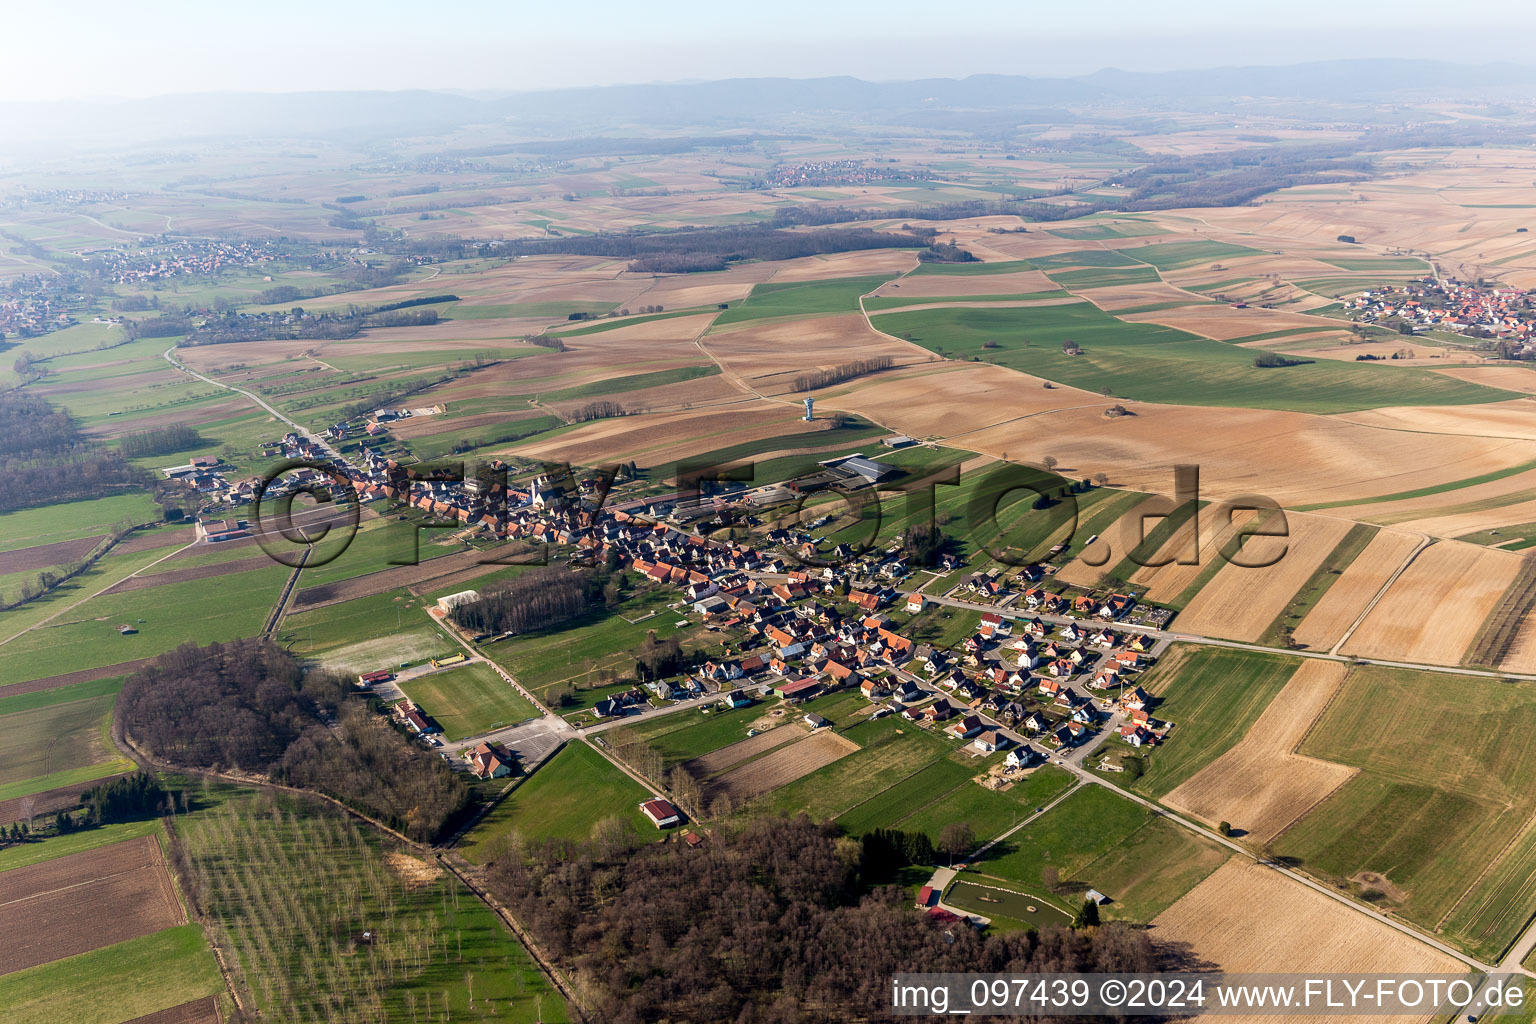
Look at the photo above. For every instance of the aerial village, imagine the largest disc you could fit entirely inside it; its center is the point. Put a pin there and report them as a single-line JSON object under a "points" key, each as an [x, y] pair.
{"points": [[1049, 673], [1476, 310]]}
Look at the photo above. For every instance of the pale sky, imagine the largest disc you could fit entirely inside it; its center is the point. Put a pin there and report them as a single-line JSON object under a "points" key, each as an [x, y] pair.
{"points": [[152, 47]]}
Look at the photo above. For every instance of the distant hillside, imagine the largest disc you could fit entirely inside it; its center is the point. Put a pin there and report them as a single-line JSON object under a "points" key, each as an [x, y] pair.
{"points": [[737, 103]]}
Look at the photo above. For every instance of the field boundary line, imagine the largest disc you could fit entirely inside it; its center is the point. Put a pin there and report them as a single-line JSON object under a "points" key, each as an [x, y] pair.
{"points": [[1424, 544]]}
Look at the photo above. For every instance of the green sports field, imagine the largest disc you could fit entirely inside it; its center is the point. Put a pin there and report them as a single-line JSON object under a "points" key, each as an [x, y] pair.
{"points": [[469, 700], [564, 799]]}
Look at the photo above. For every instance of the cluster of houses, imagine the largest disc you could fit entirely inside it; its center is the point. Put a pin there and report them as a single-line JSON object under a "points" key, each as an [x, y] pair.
{"points": [[181, 258], [832, 172], [28, 311], [1502, 313]]}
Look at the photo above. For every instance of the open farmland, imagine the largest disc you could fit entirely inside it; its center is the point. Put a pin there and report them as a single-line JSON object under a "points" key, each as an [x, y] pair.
{"points": [[1248, 918], [1095, 838], [137, 976], [1361, 580], [1212, 696], [1261, 785], [1433, 612], [781, 766], [85, 901], [1385, 829], [1241, 602]]}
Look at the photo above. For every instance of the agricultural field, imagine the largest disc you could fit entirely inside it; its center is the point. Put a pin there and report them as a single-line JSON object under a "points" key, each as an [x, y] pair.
{"points": [[84, 901], [1245, 917], [1212, 696], [1096, 839], [1159, 364], [1435, 609], [1261, 784], [1384, 829]]}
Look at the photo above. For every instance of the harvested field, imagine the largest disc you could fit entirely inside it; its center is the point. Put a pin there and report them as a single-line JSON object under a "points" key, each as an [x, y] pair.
{"points": [[62, 799], [1435, 609], [845, 264], [389, 579], [719, 760], [1504, 623], [654, 439], [781, 767], [1510, 378], [1223, 323], [769, 356], [196, 572], [85, 901], [1250, 918], [1262, 785], [1241, 603], [1166, 582], [47, 555], [148, 540], [199, 1011], [1337, 610]]}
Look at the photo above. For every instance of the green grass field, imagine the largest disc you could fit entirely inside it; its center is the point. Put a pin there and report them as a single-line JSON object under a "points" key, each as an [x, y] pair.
{"points": [[1104, 277], [564, 799], [1083, 258], [469, 700], [115, 983], [884, 302], [988, 813], [196, 611], [1160, 364], [1473, 882], [73, 520], [1178, 255], [807, 298], [971, 269], [39, 744], [60, 695], [1212, 696]]}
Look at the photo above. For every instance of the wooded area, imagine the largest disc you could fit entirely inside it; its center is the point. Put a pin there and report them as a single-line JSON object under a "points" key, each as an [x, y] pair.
{"points": [[776, 923]]}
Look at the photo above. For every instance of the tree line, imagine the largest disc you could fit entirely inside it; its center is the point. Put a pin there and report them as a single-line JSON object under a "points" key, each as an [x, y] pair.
{"points": [[813, 379], [544, 597], [781, 921], [249, 706], [685, 249], [173, 437]]}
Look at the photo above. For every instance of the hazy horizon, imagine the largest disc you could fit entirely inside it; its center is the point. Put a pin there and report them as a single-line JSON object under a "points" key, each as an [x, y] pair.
{"points": [[169, 47]]}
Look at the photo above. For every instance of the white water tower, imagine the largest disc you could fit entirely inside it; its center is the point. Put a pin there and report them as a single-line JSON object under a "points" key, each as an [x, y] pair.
{"points": [[808, 403]]}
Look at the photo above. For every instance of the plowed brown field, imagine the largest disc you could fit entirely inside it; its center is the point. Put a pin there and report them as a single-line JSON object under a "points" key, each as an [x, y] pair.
{"points": [[85, 901]]}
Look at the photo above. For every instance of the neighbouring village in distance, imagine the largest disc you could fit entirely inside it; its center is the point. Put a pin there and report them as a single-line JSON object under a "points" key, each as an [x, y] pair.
{"points": [[693, 553]]}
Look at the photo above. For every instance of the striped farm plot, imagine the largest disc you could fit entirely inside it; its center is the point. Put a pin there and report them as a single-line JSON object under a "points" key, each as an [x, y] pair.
{"points": [[1262, 785], [1435, 609], [1338, 609], [1242, 601]]}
